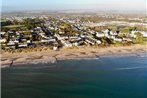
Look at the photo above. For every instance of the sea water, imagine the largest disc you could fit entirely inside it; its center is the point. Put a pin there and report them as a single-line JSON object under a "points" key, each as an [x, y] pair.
{"points": [[107, 77]]}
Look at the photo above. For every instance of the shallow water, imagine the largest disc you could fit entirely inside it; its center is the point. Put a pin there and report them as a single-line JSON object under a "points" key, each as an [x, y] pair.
{"points": [[107, 77]]}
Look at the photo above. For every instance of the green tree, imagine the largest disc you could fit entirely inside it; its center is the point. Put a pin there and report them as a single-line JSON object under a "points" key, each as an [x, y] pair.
{"points": [[29, 23]]}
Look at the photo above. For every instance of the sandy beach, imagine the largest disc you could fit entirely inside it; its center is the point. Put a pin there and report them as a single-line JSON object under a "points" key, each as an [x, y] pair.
{"points": [[51, 56]]}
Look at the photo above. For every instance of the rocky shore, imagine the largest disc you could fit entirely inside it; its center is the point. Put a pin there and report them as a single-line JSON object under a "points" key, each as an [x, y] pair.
{"points": [[51, 56]]}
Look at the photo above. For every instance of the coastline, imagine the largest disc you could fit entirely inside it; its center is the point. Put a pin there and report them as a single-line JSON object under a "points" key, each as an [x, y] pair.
{"points": [[51, 56]]}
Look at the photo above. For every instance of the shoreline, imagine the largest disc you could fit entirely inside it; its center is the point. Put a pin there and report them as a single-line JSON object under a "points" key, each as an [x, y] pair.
{"points": [[51, 56]]}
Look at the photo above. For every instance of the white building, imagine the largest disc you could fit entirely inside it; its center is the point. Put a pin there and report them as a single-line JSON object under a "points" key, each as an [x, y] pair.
{"points": [[118, 39], [3, 40], [100, 35], [144, 34], [24, 45], [66, 43]]}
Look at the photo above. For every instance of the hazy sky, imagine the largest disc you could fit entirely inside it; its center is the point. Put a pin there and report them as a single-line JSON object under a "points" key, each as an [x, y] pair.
{"points": [[17, 5]]}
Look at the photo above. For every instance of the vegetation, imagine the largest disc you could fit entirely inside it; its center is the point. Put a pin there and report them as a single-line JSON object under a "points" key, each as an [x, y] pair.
{"points": [[139, 38], [13, 26]]}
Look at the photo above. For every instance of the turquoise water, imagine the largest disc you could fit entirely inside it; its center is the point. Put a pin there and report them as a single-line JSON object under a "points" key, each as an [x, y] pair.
{"points": [[107, 77]]}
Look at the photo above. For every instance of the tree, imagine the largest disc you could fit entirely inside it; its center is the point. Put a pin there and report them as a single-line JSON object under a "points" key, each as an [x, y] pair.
{"points": [[7, 36], [29, 23]]}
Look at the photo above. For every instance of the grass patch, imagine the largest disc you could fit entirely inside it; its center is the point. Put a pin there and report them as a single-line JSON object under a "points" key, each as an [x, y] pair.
{"points": [[3, 20], [13, 26]]}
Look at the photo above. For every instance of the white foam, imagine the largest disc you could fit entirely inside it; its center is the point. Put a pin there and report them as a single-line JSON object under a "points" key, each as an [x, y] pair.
{"points": [[129, 68]]}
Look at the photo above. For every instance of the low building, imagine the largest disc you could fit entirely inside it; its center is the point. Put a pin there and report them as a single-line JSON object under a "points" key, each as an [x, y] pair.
{"points": [[118, 39], [22, 45], [48, 40], [144, 34], [100, 35], [92, 41], [127, 39], [66, 43], [11, 45], [3, 40], [2, 33]]}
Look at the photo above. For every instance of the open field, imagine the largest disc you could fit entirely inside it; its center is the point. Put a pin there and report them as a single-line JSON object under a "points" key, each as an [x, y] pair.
{"points": [[13, 26]]}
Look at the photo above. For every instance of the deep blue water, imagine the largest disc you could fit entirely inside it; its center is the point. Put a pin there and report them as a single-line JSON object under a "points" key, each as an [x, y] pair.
{"points": [[107, 77]]}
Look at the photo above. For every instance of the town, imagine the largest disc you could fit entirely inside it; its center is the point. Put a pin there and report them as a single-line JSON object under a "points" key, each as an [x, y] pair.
{"points": [[66, 31], [73, 48]]}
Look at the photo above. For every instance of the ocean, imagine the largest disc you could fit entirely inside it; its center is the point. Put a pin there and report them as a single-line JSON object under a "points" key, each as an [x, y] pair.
{"points": [[107, 77]]}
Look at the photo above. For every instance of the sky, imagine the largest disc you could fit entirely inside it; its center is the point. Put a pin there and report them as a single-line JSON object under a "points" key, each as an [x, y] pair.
{"points": [[18, 5]]}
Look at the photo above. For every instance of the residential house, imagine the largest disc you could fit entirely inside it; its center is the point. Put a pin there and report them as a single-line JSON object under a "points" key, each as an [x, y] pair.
{"points": [[118, 39], [11, 45], [22, 45], [66, 43], [144, 34], [3, 40], [100, 35], [92, 41]]}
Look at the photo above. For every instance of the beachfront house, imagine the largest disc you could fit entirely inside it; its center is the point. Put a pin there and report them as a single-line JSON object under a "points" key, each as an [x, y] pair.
{"points": [[2, 37], [100, 35], [22, 45], [106, 32], [66, 43], [118, 39], [23, 40], [92, 41], [47, 40], [127, 39], [113, 33], [2, 34], [77, 42], [55, 48], [3, 40], [11, 45], [144, 34]]}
